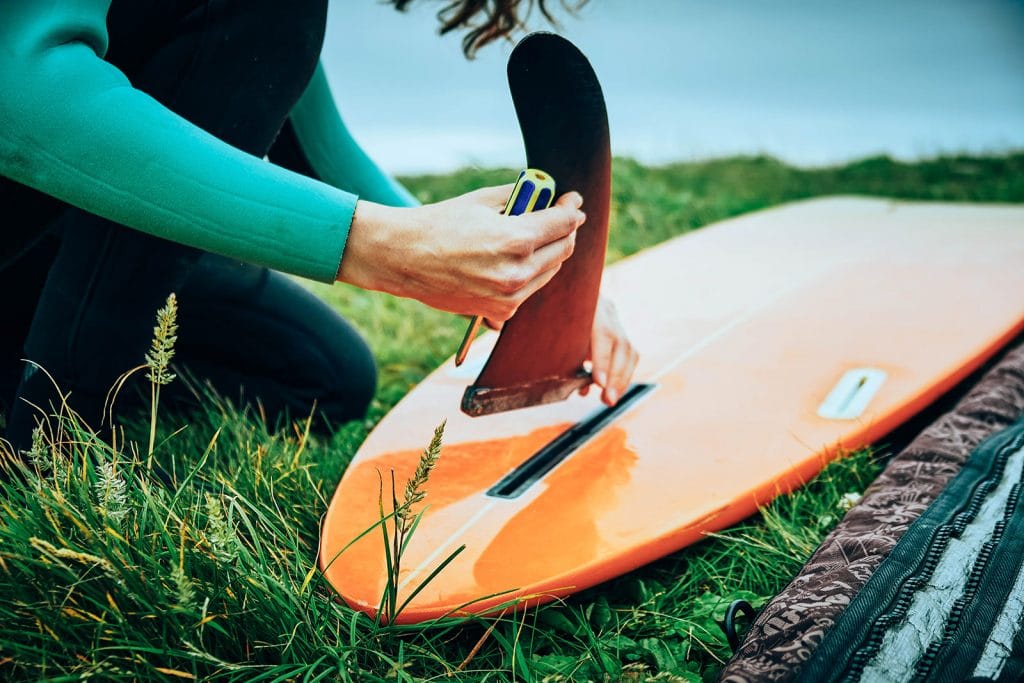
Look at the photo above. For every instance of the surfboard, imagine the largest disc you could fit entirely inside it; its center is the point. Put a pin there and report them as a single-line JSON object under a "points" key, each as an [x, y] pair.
{"points": [[770, 343]]}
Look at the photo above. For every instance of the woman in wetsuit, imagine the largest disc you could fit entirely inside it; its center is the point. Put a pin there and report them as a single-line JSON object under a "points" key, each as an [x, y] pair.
{"points": [[132, 139]]}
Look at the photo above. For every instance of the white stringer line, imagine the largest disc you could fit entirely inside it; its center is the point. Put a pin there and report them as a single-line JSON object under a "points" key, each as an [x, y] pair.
{"points": [[448, 542], [743, 317]]}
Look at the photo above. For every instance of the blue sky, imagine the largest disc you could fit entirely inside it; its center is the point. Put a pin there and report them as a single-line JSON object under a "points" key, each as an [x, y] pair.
{"points": [[810, 81]]}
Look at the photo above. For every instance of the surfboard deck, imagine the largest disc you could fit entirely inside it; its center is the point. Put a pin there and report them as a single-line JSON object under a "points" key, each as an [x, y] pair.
{"points": [[769, 344]]}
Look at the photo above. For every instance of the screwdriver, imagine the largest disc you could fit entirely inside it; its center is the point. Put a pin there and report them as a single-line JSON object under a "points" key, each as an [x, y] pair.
{"points": [[534, 190]]}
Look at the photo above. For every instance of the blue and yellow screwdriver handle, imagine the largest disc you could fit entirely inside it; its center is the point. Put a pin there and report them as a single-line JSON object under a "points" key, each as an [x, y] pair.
{"points": [[534, 190]]}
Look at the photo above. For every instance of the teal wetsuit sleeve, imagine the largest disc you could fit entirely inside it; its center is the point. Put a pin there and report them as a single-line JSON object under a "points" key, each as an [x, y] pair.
{"points": [[72, 126], [333, 153]]}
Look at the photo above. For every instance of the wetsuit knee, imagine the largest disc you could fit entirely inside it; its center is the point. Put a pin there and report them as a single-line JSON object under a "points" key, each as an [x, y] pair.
{"points": [[259, 336], [353, 386]]}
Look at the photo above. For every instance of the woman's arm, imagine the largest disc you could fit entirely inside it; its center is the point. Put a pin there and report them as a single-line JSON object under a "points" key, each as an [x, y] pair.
{"points": [[333, 154], [72, 126]]}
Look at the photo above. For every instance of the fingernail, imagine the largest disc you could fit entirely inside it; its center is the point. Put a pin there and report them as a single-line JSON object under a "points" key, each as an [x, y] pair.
{"points": [[577, 199], [613, 396], [599, 377], [580, 218]]}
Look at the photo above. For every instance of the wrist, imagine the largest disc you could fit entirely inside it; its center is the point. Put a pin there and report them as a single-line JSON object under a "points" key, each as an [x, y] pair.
{"points": [[364, 263]]}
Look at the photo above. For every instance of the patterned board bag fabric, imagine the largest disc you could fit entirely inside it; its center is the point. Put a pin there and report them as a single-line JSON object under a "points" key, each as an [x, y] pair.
{"points": [[921, 580]]}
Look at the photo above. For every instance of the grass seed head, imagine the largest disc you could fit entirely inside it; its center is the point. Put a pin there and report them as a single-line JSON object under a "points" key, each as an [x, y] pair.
{"points": [[165, 334], [186, 595], [38, 452], [219, 531], [111, 494], [414, 492]]}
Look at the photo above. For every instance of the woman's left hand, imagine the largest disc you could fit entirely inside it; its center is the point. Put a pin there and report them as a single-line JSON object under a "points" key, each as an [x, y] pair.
{"points": [[612, 355]]}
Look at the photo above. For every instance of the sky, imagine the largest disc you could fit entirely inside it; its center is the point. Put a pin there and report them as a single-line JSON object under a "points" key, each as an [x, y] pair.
{"points": [[813, 82]]}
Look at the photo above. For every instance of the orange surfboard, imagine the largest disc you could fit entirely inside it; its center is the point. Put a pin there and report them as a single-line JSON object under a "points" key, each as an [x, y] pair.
{"points": [[768, 342]]}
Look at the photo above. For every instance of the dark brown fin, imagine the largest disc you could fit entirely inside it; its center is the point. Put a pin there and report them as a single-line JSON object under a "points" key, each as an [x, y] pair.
{"points": [[540, 353]]}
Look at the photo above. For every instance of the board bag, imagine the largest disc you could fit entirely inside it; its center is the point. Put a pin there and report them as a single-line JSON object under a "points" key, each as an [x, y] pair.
{"points": [[922, 579]]}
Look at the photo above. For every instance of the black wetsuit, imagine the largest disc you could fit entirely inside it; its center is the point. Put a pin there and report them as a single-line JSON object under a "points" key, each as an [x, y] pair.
{"points": [[80, 292]]}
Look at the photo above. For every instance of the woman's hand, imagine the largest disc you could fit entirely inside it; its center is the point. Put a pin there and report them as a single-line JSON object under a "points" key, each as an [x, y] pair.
{"points": [[461, 255], [613, 357]]}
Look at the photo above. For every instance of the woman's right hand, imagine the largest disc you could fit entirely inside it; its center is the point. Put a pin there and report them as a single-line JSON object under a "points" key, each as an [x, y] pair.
{"points": [[461, 255]]}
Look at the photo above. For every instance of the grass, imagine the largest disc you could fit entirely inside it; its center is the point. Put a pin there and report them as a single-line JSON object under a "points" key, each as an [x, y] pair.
{"points": [[108, 573]]}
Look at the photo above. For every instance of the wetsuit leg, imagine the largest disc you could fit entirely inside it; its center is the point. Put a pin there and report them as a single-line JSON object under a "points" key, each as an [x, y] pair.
{"points": [[234, 68], [297, 350], [21, 281]]}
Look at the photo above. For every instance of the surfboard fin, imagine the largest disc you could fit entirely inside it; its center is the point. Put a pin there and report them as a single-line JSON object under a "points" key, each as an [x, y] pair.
{"points": [[483, 400], [539, 356]]}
